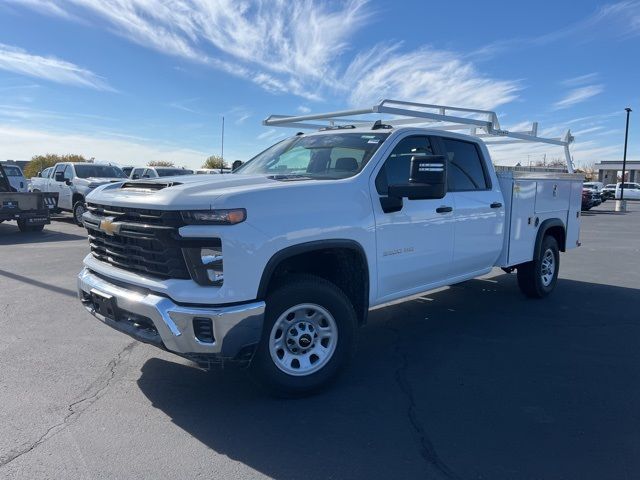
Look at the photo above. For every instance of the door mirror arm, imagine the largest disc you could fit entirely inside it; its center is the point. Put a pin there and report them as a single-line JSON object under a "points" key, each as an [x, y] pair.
{"points": [[391, 204]]}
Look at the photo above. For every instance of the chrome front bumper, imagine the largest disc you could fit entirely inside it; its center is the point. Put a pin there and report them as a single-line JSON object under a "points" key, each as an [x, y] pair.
{"points": [[159, 321]]}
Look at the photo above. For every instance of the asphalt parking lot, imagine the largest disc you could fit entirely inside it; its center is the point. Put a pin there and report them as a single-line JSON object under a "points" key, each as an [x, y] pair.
{"points": [[472, 382]]}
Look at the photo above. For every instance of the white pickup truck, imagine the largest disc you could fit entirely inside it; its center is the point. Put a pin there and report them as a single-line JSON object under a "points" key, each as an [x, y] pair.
{"points": [[277, 264], [73, 181]]}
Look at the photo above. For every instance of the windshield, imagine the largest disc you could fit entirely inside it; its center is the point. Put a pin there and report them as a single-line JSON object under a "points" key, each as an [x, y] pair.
{"points": [[12, 171], [327, 156], [171, 172], [99, 171]]}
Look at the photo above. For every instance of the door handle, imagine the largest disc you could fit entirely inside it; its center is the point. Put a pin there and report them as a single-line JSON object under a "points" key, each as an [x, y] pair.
{"points": [[444, 209], [496, 205]]}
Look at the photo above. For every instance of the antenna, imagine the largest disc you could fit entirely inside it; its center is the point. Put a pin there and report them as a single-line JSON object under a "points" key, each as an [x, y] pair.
{"points": [[222, 149]]}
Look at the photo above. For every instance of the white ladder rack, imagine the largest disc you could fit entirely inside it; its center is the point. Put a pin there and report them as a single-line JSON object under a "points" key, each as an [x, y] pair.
{"points": [[480, 123]]}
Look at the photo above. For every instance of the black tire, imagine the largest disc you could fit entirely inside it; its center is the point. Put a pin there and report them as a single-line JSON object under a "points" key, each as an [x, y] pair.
{"points": [[299, 290], [23, 227], [79, 208], [533, 278]]}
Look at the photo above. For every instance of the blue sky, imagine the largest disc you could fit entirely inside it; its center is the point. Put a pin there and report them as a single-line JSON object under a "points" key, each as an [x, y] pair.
{"points": [[130, 81]]}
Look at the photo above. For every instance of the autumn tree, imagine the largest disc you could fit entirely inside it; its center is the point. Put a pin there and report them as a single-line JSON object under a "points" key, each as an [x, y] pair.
{"points": [[40, 162], [215, 162], [160, 163]]}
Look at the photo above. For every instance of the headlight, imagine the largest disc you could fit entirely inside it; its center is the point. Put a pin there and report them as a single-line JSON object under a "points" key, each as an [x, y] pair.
{"points": [[205, 264], [215, 217]]}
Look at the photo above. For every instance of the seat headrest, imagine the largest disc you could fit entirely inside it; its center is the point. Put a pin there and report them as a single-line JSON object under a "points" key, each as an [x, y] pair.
{"points": [[347, 164]]}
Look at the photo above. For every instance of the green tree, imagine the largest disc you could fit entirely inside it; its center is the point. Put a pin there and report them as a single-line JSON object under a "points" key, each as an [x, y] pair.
{"points": [[160, 163], [40, 162], [215, 162]]}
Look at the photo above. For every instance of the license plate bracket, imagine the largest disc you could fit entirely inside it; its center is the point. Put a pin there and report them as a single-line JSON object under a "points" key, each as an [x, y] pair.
{"points": [[105, 305]]}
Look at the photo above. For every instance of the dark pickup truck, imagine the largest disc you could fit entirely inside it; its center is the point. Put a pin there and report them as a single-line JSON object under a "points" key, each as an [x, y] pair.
{"points": [[30, 210]]}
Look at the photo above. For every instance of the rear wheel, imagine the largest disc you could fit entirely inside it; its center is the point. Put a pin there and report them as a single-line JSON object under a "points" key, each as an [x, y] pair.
{"points": [[308, 336], [24, 227], [538, 278]]}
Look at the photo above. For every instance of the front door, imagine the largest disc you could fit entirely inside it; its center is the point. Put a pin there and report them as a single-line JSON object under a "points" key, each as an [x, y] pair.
{"points": [[414, 237], [64, 190]]}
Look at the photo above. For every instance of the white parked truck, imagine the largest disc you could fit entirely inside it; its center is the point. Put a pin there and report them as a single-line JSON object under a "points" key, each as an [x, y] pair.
{"points": [[73, 182], [277, 264]]}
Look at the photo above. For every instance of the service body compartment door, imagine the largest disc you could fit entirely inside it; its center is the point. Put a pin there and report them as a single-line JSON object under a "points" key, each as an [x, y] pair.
{"points": [[552, 196], [573, 217], [523, 230]]}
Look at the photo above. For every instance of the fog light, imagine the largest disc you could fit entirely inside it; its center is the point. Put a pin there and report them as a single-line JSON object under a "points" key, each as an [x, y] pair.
{"points": [[212, 261], [205, 264]]}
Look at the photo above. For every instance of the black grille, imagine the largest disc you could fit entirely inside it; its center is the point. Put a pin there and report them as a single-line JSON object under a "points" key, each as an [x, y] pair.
{"points": [[144, 241]]}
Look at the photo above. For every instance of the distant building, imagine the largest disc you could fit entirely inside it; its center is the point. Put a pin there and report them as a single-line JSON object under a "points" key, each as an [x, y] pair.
{"points": [[608, 170]]}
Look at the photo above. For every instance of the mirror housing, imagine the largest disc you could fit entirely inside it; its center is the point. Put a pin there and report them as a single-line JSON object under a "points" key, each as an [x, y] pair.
{"points": [[59, 177], [237, 164], [135, 176], [67, 181], [427, 179]]}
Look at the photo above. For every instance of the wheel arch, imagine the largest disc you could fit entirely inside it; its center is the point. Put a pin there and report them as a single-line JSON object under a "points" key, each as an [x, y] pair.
{"points": [[554, 227], [77, 197], [321, 258]]}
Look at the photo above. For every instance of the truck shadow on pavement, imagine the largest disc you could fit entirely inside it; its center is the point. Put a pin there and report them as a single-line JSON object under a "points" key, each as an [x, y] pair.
{"points": [[10, 235], [472, 382]]}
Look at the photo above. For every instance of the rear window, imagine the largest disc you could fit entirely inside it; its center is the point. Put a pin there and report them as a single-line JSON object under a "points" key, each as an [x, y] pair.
{"points": [[12, 171]]}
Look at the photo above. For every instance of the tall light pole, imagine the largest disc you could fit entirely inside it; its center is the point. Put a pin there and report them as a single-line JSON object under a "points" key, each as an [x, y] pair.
{"points": [[624, 155]]}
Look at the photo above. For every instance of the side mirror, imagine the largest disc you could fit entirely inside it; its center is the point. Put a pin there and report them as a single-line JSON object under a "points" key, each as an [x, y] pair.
{"points": [[67, 181], [237, 164], [427, 179], [135, 176], [59, 177], [39, 174]]}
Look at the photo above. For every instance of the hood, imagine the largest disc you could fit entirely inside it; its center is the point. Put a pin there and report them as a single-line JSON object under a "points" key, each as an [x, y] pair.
{"points": [[182, 191], [96, 181]]}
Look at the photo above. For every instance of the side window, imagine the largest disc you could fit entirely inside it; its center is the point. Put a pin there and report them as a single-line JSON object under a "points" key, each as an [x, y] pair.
{"points": [[150, 173], [59, 169], [137, 171], [68, 173], [395, 170], [465, 168]]}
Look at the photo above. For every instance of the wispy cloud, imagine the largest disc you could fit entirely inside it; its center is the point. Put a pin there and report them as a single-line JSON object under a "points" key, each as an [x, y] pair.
{"points": [[617, 20], [580, 80], [578, 95], [426, 74], [48, 7], [281, 46], [53, 69], [301, 48]]}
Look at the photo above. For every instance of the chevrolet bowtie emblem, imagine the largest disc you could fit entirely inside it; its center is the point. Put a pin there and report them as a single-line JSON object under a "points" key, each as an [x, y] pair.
{"points": [[109, 227]]}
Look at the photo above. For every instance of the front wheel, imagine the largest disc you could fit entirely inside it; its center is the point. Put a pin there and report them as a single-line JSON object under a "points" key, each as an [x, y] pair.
{"points": [[538, 278], [78, 210], [308, 336]]}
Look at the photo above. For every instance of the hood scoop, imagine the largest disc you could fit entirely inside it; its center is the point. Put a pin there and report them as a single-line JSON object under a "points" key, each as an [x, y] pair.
{"points": [[148, 186]]}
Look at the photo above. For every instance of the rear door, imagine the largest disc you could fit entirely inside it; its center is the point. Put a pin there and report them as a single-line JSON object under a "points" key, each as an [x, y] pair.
{"points": [[414, 238], [479, 211]]}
